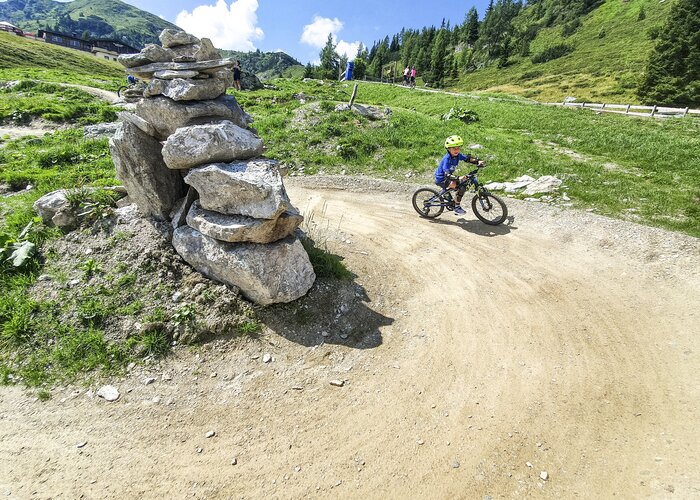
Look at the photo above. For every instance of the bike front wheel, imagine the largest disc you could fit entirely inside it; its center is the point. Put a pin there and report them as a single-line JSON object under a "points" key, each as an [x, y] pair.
{"points": [[489, 209], [428, 203], [121, 89]]}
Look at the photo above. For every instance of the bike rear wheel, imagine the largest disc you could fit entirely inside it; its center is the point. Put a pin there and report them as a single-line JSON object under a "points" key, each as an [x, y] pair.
{"points": [[489, 209], [428, 203]]}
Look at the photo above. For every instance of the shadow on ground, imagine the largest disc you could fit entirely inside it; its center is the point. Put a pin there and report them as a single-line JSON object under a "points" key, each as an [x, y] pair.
{"points": [[478, 227], [335, 311]]}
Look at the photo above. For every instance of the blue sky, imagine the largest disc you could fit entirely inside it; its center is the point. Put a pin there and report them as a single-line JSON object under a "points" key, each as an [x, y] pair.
{"points": [[300, 28]]}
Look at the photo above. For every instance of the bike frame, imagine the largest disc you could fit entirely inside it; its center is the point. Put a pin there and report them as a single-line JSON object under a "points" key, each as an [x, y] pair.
{"points": [[471, 180]]}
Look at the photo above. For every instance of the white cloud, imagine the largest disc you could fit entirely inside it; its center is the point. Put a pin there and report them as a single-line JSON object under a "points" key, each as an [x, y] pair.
{"points": [[231, 27], [347, 48], [316, 35]]}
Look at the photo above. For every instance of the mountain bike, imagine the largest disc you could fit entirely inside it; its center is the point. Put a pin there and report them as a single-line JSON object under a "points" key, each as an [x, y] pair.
{"points": [[489, 209], [132, 90]]}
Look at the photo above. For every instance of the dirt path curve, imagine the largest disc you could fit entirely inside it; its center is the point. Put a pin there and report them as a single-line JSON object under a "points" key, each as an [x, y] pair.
{"points": [[563, 342]]}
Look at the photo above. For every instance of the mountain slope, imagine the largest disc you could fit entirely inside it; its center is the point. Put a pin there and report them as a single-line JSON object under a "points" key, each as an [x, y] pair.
{"points": [[101, 18], [265, 65], [607, 56]]}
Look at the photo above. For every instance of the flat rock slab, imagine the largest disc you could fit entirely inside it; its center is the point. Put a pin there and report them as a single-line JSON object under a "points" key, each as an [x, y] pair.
{"points": [[240, 228], [252, 188], [265, 274], [166, 115], [184, 89], [213, 142]]}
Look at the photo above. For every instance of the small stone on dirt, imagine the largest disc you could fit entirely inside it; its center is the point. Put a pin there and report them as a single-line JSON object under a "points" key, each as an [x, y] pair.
{"points": [[108, 392], [267, 358], [210, 434], [234, 461], [528, 464], [337, 383], [543, 475], [81, 444], [149, 380], [455, 464]]}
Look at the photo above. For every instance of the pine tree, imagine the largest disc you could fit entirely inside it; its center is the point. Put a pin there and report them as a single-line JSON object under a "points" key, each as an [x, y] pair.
{"points": [[472, 27], [437, 59], [673, 72], [329, 60]]}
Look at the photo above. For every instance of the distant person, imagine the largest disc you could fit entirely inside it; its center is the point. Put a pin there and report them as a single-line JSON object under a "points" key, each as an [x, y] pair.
{"points": [[444, 175], [413, 76], [237, 75], [406, 75], [130, 79]]}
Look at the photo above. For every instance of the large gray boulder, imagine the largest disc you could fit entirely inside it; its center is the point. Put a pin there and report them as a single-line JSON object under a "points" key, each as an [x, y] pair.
{"points": [[166, 115], [185, 89], [240, 228], [174, 38], [213, 142], [265, 274], [252, 188], [139, 163], [200, 51]]}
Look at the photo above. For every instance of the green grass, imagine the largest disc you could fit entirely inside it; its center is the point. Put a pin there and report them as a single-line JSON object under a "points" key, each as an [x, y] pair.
{"points": [[22, 103], [64, 159], [643, 167], [27, 59]]}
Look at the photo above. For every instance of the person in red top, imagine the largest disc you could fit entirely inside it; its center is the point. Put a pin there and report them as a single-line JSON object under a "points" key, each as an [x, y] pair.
{"points": [[413, 76]]}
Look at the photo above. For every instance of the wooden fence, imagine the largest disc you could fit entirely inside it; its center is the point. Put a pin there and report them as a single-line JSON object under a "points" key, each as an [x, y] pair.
{"points": [[631, 109]]}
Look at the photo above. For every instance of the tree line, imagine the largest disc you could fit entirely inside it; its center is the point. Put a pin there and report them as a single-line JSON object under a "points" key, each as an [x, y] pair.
{"points": [[444, 54]]}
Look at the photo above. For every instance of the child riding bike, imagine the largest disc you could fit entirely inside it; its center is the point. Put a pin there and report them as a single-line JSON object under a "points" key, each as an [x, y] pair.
{"points": [[444, 175]]}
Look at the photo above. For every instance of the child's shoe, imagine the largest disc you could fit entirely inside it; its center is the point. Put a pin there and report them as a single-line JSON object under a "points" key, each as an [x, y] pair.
{"points": [[459, 210]]}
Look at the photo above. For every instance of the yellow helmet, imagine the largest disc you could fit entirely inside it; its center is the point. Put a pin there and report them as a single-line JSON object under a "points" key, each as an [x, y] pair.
{"points": [[454, 141]]}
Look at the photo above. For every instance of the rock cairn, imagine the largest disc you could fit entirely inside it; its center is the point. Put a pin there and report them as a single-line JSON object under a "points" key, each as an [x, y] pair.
{"points": [[186, 155]]}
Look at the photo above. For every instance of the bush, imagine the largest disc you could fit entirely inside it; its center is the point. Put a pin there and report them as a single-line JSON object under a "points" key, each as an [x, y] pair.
{"points": [[550, 53], [465, 115]]}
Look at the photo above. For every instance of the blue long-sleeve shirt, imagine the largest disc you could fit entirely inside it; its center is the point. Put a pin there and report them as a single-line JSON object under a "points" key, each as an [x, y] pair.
{"points": [[448, 165]]}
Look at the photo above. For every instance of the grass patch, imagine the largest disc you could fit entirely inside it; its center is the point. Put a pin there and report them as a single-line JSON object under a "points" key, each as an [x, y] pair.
{"points": [[325, 264], [27, 100]]}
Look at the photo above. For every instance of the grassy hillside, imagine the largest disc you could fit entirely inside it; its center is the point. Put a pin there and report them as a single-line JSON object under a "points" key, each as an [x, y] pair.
{"points": [[102, 18], [609, 52], [24, 58]]}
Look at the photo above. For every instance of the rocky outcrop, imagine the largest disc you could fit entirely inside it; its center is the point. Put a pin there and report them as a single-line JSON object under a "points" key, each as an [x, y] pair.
{"points": [[186, 154]]}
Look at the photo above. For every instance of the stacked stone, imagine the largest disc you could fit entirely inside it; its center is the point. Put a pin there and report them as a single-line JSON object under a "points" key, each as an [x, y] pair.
{"points": [[186, 155]]}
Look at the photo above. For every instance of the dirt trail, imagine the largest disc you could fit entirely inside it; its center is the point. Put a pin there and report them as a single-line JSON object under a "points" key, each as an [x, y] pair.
{"points": [[562, 342]]}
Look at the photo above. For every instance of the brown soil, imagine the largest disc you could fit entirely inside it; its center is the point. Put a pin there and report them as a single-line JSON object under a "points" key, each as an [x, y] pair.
{"points": [[473, 359]]}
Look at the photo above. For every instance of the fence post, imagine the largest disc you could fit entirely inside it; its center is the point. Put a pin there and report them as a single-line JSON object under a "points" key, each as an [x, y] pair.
{"points": [[583, 105], [653, 110], [354, 93], [685, 113], [628, 109]]}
